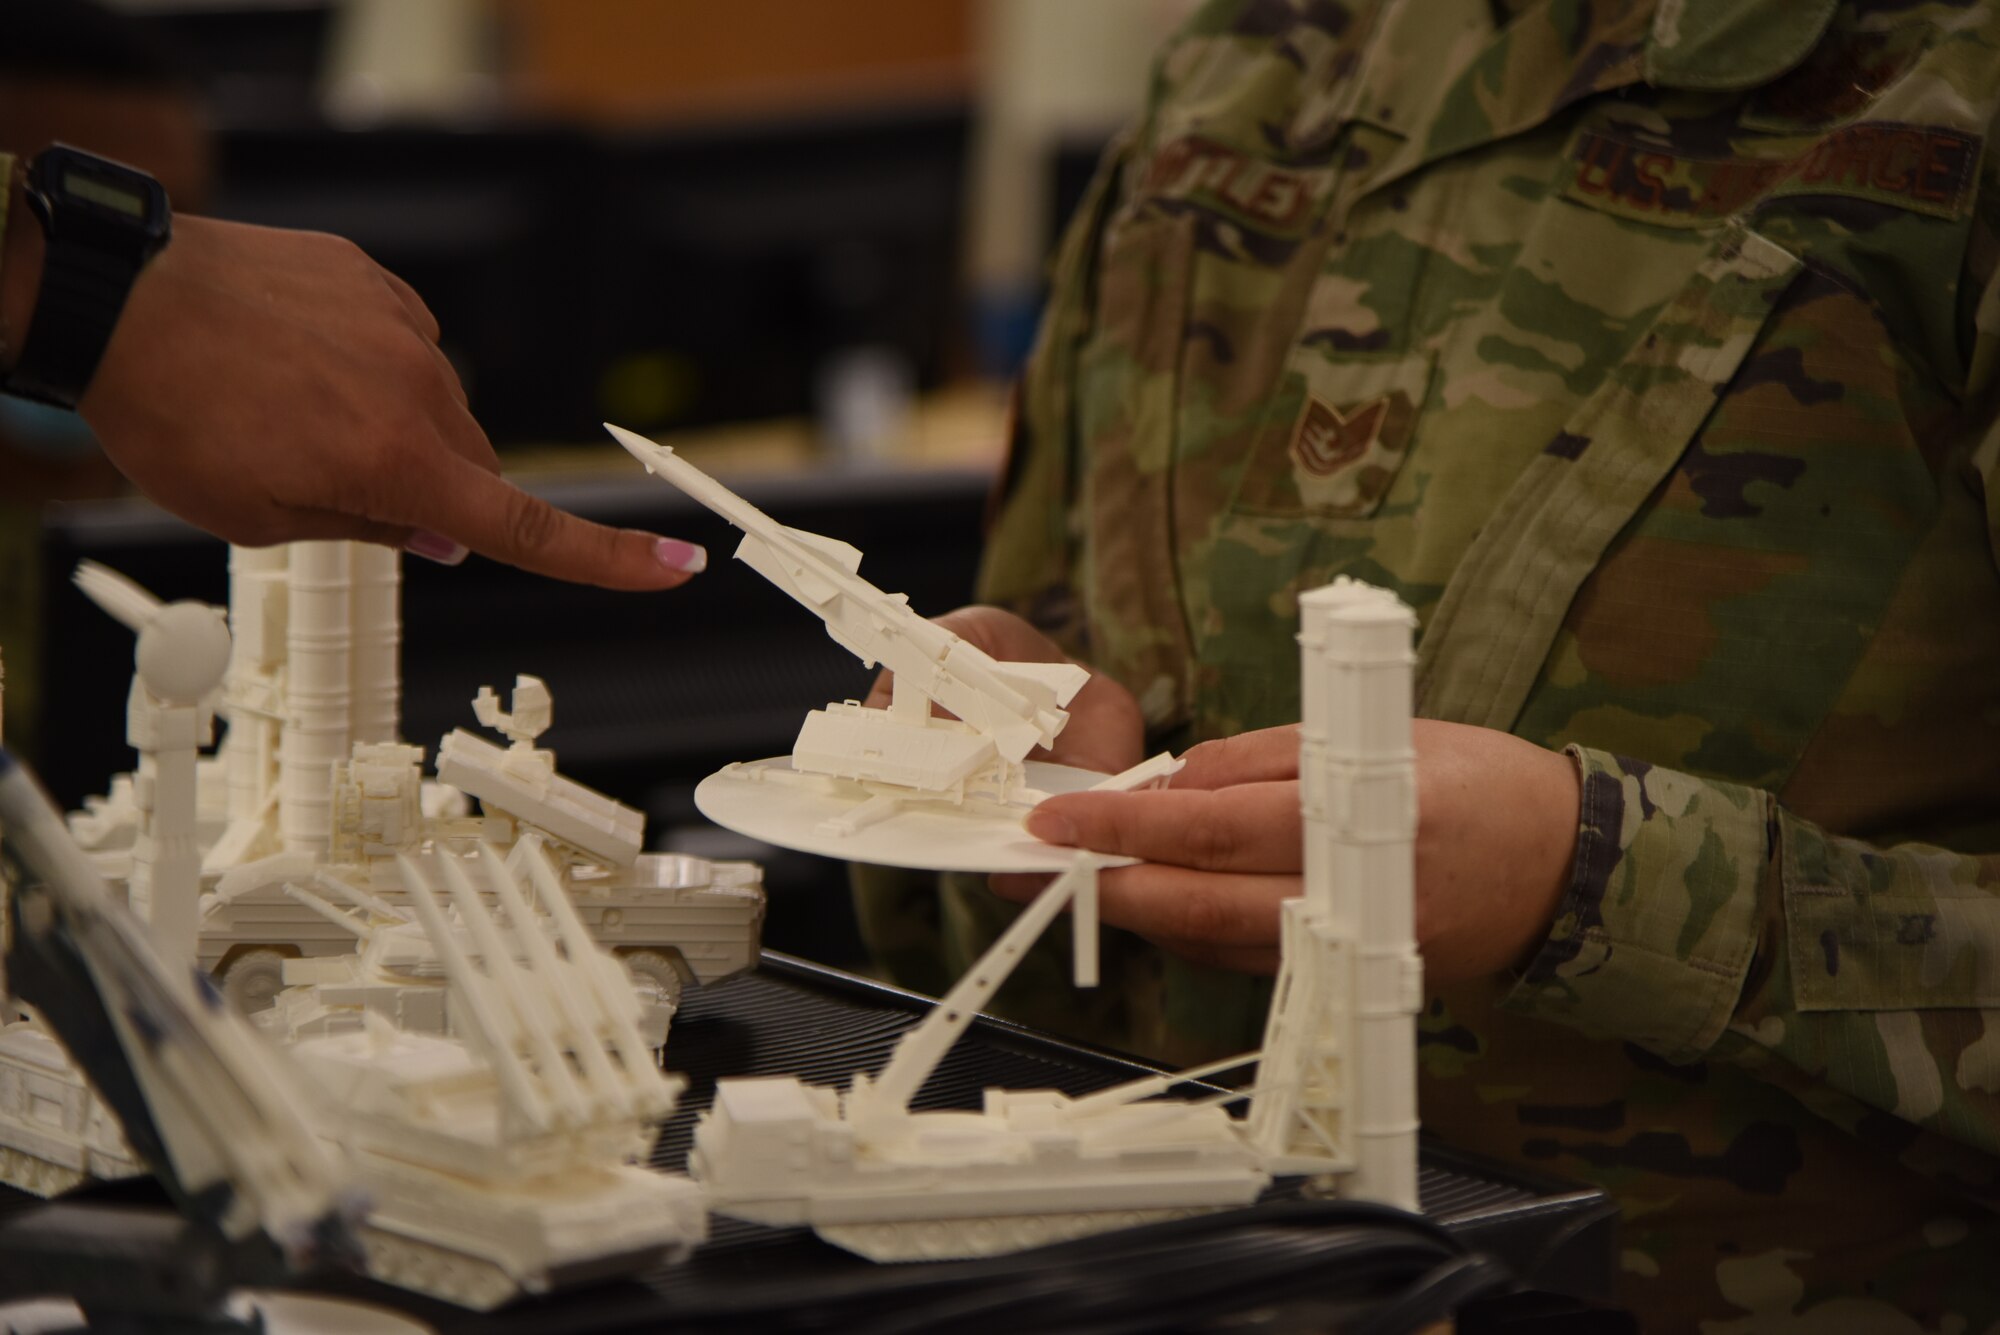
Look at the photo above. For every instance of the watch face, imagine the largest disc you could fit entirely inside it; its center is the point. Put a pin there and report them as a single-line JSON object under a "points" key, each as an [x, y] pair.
{"points": [[79, 189], [110, 194]]}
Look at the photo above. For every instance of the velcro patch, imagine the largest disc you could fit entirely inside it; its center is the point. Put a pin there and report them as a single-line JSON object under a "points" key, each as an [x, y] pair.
{"points": [[1344, 457], [1925, 169], [1259, 194], [1327, 440]]}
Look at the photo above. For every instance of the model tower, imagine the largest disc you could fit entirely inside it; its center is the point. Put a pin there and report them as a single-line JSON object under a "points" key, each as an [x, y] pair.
{"points": [[317, 630], [1337, 1088]]}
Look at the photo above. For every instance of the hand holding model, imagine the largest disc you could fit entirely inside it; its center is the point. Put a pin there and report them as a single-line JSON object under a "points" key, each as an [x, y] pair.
{"points": [[1221, 845], [272, 385]]}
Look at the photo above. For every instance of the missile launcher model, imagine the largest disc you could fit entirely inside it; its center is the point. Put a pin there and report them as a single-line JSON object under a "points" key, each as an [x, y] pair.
{"points": [[905, 786]]}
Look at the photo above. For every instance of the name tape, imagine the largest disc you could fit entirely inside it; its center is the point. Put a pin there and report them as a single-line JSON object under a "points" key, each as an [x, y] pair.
{"points": [[1925, 169], [1267, 197]]}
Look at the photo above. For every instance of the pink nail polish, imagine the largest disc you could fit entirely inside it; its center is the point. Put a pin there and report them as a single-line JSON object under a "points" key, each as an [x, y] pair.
{"points": [[436, 547], [677, 555]]}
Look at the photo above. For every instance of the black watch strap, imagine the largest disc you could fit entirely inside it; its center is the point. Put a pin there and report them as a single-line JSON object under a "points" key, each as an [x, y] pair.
{"points": [[82, 294], [102, 221]]}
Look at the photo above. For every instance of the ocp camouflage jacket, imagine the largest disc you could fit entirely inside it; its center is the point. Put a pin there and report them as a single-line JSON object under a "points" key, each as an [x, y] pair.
{"points": [[1647, 351]]}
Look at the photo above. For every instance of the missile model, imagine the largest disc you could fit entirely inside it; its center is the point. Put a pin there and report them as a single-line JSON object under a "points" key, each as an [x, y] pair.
{"points": [[880, 763]]}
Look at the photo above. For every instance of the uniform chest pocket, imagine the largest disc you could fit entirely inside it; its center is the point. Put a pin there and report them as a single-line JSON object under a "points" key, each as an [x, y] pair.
{"points": [[1337, 432], [1485, 644]]}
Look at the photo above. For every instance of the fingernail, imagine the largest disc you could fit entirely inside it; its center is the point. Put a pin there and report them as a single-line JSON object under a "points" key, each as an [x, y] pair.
{"points": [[436, 547], [1051, 827], [677, 555]]}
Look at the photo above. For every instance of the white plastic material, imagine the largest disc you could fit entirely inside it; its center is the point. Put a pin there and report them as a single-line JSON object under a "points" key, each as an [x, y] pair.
{"points": [[503, 1160], [1156, 772], [182, 652], [580, 816], [55, 1133], [315, 629], [1337, 1092], [493, 1058], [903, 786], [768, 800], [1030, 1167], [234, 1120]]}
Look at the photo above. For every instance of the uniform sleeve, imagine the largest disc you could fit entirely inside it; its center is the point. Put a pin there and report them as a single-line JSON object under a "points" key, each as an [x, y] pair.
{"points": [[1705, 921]]}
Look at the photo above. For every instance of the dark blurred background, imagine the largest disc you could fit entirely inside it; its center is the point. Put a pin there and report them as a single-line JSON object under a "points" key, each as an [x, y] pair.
{"points": [[803, 241], [669, 212]]}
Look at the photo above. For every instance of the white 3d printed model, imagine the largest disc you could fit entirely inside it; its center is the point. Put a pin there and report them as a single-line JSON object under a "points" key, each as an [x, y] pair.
{"points": [[471, 1169], [507, 1159], [398, 974], [311, 777], [228, 1119], [1337, 1085], [1031, 1167], [182, 653], [500, 1147], [1336, 1089], [900, 786], [55, 1132], [502, 1158]]}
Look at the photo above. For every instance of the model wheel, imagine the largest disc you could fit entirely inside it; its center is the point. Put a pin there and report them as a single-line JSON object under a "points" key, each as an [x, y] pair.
{"points": [[656, 976], [252, 980]]}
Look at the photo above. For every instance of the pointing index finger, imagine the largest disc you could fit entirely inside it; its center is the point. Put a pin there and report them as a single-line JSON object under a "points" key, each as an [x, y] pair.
{"points": [[495, 518]]}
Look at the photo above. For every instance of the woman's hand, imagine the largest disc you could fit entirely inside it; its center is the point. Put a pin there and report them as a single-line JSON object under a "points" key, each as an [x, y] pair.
{"points": [[1221, 849], [273, 385]]}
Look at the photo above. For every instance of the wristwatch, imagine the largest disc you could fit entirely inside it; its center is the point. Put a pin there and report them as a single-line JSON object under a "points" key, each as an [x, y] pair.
{"points": [[103, 221]]}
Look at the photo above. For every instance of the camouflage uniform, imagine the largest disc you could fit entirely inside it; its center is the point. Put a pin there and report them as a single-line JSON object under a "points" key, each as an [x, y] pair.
{"points": [[1647, 350]]}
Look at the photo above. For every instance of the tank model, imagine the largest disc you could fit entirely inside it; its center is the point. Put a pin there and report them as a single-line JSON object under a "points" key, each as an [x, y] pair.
{"points": [[310, 775]]}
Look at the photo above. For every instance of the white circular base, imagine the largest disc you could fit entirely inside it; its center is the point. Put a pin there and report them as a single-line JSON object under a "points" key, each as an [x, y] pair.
{"points": [[931, 836]]}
